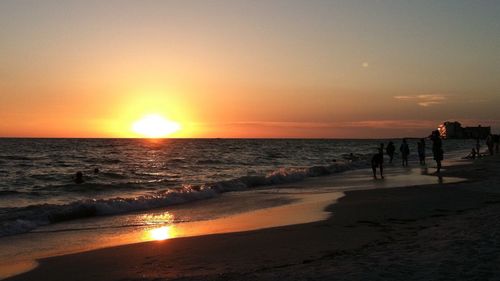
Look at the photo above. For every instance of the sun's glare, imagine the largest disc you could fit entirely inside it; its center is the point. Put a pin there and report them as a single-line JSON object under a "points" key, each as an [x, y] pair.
{"points": [[155, 126], [161, 233]]}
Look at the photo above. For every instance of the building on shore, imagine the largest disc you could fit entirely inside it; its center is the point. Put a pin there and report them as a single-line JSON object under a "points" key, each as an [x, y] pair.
{"points": [[454, 130]]}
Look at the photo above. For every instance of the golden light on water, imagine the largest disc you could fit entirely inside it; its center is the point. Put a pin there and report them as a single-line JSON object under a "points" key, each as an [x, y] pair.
{"points": [[161, 233], [155, 126], [163, 230]]}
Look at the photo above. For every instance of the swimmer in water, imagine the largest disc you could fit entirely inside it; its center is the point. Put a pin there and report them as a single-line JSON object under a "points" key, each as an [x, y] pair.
{"points": [[78, 177]]}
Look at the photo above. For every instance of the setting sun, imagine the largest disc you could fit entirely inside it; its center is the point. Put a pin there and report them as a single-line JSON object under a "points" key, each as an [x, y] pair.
{"points": [[155, 126]]}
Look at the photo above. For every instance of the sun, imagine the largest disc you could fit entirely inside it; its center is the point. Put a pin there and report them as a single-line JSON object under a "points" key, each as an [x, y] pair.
{"points": [[155, 126]]}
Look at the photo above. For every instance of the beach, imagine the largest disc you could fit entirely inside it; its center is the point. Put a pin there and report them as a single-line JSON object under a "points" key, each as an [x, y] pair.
{"points": [[442, 231], [249, 140]]}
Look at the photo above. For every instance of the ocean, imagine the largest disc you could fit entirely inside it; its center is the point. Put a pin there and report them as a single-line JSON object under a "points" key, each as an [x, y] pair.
{"points": [[37, 186]]}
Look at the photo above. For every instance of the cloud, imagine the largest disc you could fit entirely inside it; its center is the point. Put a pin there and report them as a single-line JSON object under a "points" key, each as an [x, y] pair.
{"points": [[404, 97], [392, 124], [362, 124], [424, 100]]}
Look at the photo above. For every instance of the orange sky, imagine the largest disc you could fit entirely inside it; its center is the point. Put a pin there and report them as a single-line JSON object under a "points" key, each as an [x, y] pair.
{"points": [[247, 69]]}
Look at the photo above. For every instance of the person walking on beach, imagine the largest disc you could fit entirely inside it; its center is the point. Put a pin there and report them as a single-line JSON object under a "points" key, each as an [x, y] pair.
{"points": [[489, 143], [405, 151], [378, 161], [478, 146], [496, 141], [421, 151], [390, 151], [437, 149]]}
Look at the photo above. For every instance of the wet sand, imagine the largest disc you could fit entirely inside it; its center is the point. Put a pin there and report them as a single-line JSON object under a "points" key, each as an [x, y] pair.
{"points": [[443, 231]]}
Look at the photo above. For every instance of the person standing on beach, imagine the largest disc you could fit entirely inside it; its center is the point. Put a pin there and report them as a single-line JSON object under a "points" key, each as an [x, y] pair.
{"points": [[390, 151], [378, 161], [405, 151], [421, 151], [437, 149]]}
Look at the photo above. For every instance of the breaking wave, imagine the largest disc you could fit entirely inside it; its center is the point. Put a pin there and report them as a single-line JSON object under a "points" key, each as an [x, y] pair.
{"points": [[24, 219]]}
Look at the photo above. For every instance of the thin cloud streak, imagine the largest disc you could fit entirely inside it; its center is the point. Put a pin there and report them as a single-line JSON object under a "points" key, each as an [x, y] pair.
{"points": [[424, 100], [382, 124]]}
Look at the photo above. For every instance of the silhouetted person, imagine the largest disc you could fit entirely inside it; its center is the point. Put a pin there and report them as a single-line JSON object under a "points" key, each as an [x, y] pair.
{"points": [[390, 151], [405, 151], [78, 177], [378, 161], [472, 154], [496, 141], [421, 151], [489, 143], [478, 147], [96, 170], [437, 149], [351, 157]]}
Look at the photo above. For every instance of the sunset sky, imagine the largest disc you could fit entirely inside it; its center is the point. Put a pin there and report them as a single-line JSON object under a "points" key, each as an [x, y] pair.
{"points": [[332, 69]]}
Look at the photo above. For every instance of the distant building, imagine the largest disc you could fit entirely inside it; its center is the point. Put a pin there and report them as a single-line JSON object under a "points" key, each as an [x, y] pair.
{"points": [[477, 132], [454, 130]]}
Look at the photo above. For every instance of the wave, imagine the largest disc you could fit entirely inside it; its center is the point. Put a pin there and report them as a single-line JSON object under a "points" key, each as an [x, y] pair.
{"points": [[20, 220], [22, 158], [112, 175], [90, 187], [176, 160], [14, 157], [9, 192], [95, 161], [283, 175], [209, 162]]}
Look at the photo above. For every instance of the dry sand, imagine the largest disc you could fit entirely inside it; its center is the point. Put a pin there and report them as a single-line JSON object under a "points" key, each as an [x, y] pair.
{"points": [[431, 232]]}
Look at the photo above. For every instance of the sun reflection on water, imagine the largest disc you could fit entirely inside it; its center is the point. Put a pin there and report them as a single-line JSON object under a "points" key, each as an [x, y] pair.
{"points": [[158, 218], [161, 233], [160, 226]]}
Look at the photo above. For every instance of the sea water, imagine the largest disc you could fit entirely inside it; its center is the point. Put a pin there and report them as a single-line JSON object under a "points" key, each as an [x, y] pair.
{"points": [[37, 186]]}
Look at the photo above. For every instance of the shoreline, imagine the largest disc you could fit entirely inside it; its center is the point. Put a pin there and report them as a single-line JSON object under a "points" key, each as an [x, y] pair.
{"points": [[359, 219], [273, 206]]}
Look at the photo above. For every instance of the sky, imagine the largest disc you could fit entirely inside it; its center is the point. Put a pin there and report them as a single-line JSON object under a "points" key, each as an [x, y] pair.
{"points": [[261, 68]]}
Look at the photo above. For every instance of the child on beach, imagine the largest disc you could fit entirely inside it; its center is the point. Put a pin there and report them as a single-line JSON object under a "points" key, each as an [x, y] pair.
{"points": [[405, 151], [378, 161]]}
